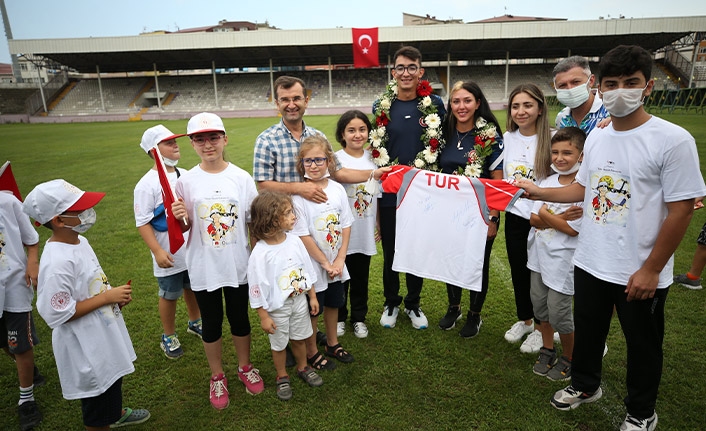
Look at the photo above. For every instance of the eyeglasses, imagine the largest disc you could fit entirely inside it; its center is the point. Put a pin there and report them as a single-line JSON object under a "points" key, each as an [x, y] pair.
{"points": [[287, 100], [319, 161], [201, 140], [412, 69]]}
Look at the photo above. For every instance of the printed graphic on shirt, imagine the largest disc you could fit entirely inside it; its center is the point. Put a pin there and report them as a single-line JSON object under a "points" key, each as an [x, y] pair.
{"points": [[547, 235], [99, 285], [328, 231], [521, 172], [611, 198], [60, 300], [294, 280], [362, 202], [217, 221], [4, 266]]}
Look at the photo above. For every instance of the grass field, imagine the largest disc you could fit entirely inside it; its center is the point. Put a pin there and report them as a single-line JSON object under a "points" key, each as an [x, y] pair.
{"points": [[402, 378]]}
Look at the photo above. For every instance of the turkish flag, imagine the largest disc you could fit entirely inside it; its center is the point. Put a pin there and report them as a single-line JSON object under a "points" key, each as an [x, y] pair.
{"points": [[365, 47], [7, 181], [176, 237]]}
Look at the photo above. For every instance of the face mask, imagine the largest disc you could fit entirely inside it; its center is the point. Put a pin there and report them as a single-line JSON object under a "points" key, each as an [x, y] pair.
{"points": [[574, 97], [622, 102], [87, 219], [169, 162], [326, 175]]}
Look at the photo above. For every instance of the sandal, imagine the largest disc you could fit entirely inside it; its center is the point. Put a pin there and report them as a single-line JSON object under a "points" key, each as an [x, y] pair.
{"points": [[318, 362], [339, 353], [131, 417]]}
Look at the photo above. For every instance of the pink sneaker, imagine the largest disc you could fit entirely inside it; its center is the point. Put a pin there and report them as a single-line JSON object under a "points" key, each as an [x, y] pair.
{"points": [[250, 377], [219, 392]]}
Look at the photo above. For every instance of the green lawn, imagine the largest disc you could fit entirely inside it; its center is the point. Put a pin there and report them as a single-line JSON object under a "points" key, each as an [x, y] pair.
{"points": [[402, 378]]}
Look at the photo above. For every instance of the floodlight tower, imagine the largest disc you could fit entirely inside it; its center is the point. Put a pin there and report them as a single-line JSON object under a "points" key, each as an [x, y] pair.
{"points": [[8, 32]]}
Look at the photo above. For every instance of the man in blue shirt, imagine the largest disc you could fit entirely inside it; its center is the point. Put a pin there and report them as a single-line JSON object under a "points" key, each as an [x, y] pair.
{"points": [[573, 81]]}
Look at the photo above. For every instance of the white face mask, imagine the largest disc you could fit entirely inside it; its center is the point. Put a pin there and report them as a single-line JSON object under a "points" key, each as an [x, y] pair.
{"points": [[87, 219], [326, 175], [622, 102], [569, 171], [574, 97], [169, 162]]}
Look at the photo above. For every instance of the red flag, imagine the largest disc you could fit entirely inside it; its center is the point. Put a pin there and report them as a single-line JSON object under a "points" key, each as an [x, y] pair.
{"points": [[7, 180], [365, 47], [176, 237]]}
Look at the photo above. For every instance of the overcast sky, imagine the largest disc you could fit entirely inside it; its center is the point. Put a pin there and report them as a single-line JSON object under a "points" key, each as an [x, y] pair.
{"points": [[44, 19]]}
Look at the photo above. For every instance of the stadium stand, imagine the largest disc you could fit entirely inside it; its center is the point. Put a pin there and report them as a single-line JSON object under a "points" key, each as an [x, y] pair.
{"points": [[84, 98], [13, 100]]}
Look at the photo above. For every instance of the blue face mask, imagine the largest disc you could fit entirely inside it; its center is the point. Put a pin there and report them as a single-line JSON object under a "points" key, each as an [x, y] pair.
{"points": [[87, 219]]}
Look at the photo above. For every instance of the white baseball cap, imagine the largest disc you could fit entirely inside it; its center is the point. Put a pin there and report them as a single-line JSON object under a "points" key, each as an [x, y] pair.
{"points": [[154, 135], [55, 197], [205, 122]]}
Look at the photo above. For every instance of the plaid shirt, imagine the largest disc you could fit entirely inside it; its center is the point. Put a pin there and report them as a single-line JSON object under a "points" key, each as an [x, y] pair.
{"points": [[276, 152]]}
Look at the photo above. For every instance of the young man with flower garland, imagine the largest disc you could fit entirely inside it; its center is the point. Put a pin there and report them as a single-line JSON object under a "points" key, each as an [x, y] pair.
{"points": [[408, 132], [625, 259]]}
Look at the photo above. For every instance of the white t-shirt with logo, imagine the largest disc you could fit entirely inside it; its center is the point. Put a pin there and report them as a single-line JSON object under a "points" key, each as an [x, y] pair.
{"points": [[629, 177], [518, 164], [277, 271], [363, 205], [15, 231], [550, 252], [217, 248], [442, 223], [95, 350], [324, 222], [147, 197]]}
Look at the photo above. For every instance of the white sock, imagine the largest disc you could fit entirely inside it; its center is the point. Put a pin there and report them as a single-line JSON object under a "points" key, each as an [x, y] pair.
{"points": [[26, 394]]}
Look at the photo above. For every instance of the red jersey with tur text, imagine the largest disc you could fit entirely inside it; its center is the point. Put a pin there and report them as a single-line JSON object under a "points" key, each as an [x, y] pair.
{"points": [[442, 223]]}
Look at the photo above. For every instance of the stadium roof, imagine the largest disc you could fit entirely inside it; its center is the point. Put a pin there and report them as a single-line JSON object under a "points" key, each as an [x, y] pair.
{"points": [[180, 51]]}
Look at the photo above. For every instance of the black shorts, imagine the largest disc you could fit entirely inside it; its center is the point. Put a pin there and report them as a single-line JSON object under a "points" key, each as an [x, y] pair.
{"points": [[331, 297], [701, 239], [17, 332], [104, 409]]}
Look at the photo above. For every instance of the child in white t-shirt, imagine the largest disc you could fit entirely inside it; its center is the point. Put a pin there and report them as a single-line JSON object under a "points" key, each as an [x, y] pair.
{"points": [[352, 133], [214, 206], [527, 150], [555, 227], [325, 230], [281, 275], [18, 272], [150, 217], [91, 344]]}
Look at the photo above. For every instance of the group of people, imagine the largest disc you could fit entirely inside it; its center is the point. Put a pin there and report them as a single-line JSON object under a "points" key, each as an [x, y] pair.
{"points": [[295, 239]]}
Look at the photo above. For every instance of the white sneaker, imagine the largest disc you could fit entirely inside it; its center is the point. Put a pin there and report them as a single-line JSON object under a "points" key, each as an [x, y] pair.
{"points": [[360, 330], [632, 423], [557, 338], [389, 317], [605, 350], [533, 343], [340, 328], [419, 320], [517, 331]]}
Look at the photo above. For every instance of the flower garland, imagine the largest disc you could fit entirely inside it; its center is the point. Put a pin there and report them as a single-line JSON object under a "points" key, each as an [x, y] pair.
{"points": [[482, 148], [430, 121]]}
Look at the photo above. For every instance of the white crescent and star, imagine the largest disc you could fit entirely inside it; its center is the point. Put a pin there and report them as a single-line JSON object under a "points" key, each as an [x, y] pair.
{"points": [[360, 42]]}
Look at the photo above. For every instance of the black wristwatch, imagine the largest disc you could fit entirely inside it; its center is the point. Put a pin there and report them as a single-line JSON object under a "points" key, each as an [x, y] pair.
{"points": [[494, 219]]}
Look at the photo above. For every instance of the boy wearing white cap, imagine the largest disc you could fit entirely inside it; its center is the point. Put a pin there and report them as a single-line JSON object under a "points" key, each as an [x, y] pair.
{"points": [[18, 271], [91, 344], [150, 218], [215, 198]]}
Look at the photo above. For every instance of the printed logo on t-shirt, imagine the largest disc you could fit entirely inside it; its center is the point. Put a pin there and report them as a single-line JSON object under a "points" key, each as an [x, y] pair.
{"points": [[60, 300], [294, 280], [611, 198], [99, 285], [521, 172], [3, 256], [217, 219], [328, 229], [255, 291], [362, 202]]}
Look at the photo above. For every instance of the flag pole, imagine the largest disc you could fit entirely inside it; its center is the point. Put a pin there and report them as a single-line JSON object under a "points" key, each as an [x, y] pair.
{"points": [[160, 161]]}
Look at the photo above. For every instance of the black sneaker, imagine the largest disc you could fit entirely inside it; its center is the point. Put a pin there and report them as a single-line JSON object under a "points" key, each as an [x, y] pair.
{"points": [[38, 379], [472, 326], [321, 339], [449, 320], [30, 416], [290, 361]]}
